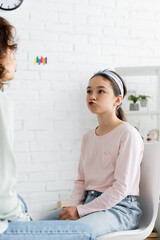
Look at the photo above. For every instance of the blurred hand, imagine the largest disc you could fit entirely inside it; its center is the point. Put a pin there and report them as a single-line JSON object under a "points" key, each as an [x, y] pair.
{"points": [[69, 213]]}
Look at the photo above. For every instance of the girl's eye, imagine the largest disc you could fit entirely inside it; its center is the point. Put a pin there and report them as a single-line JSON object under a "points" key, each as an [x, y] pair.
{"points": [[100, 91], [88, 91]]}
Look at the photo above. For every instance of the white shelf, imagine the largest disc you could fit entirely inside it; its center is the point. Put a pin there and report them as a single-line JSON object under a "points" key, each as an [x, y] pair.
{"points": [[138, 70], [144, 113]]}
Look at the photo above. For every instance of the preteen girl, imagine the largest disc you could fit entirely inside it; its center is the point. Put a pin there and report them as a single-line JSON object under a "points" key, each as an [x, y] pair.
{"points": [[105, 191]]}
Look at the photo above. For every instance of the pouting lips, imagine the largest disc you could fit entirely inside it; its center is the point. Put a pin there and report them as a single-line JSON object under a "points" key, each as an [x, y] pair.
{"points": [[91, 103]]}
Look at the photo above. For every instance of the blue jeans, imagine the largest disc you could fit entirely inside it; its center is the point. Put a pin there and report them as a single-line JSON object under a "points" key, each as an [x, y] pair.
{"points": [[47, 230], [123, 216]]}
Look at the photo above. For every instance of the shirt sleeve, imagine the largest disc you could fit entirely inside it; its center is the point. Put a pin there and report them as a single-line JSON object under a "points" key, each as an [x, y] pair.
{"points": [[126, 172], [78, 193], [11, 207]]}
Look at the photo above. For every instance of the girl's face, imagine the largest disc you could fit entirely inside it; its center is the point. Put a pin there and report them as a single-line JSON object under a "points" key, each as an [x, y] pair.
{"points": [[100, 96], [10, 65]]}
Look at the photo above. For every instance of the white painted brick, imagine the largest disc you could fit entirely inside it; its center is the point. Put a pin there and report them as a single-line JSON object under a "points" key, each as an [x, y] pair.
{"points": [[36, 85], [128, 42], [43, 35], [21, 135], [62, 47], [66, 106], [69, 175], [72, 18], [147, 61], [36, 45], [30, 187], [13, 15], [45, 157], [37, 124], [68, 37], [142, 34], [59, 186], [66, 165], [35, 206], [22, 35], [57, 6], [29, 168], [128, 61], [101, 20], [122, 4], [149, 5], [30, 25], [81, 77], [39, 177], [65, 195], [22, 178], [17, 125], [53, 135], [49, 206], [38, 105], [87, 48], [19, 95], [66, 85], [85, 67], [49, 75], [61, 28], [102, 3], [87, 29], [37, 17], [116, 32], [41, 196], [21, 147], [23, 114], [36, 146], [52, 146], [84, 7], [27, 75]]}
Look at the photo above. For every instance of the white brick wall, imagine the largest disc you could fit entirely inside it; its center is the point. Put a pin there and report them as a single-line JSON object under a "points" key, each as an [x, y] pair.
{"points": [[78, 37]]}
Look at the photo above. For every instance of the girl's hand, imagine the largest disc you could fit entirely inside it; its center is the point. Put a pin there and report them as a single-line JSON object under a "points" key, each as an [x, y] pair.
{"points": [[69, 213]]}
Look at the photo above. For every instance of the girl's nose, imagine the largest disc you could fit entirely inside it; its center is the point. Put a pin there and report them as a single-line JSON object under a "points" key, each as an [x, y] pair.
{"points": [[93, 97]]}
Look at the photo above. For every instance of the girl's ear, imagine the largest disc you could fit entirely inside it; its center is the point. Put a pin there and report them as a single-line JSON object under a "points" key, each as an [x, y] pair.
{"points": [[118, 100]]}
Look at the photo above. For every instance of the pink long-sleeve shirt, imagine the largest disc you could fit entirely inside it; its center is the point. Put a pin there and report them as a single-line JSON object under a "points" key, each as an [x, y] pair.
{"points": [[109, 164]]}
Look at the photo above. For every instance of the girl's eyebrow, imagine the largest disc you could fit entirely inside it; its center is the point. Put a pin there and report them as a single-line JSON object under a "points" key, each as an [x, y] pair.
{"points": [[96, 87]]}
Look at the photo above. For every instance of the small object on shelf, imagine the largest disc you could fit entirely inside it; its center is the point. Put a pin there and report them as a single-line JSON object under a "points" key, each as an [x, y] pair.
{"points": [[133, 106], [153, 136], [143, 100]]}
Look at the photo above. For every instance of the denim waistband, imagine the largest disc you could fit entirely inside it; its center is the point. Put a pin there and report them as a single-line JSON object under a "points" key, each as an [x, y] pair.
{"points": [[97, 194], [131, 198]]}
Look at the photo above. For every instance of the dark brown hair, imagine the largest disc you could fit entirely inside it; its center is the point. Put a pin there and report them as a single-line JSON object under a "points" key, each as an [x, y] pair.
{"points": [[119, 111], [7, 41]]}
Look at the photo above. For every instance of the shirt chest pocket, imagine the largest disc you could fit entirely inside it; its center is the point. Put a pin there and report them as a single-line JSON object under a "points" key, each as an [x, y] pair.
{"points": [[107, 160]]}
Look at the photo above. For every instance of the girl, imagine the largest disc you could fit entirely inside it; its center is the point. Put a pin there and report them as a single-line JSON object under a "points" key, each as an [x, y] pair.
{"points": [[105, 191], [11, 207]]}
